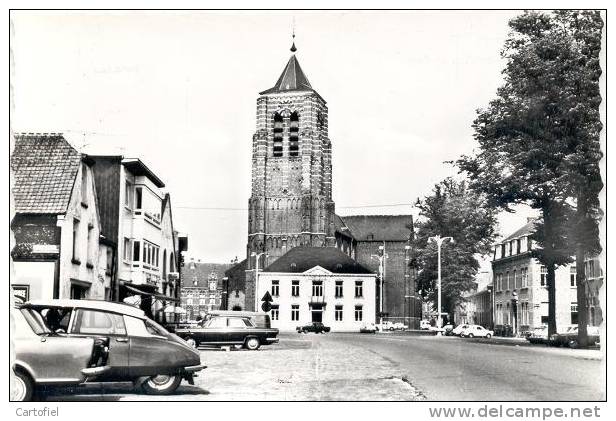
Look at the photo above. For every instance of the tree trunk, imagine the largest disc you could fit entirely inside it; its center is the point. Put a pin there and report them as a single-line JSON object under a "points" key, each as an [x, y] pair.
{"points": [[551, 299], [580, 255]]}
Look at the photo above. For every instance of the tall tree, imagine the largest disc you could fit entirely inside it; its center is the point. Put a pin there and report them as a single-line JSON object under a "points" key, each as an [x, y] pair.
{"points": [[452, 210], [539, 138]]}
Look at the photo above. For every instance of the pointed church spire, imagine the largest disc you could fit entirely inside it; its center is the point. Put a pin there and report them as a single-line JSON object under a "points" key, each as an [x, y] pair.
{"points": [[293, 48]]}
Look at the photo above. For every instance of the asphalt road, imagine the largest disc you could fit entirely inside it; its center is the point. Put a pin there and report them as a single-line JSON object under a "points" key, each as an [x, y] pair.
{"points": [[381, 367], [451, 368]]}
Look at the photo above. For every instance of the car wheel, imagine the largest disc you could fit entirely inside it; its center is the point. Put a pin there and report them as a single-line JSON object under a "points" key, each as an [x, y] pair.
{"points": [[192, 342], [391, 329], [488, 336], [470, 335], [253, 344], [162, 384], [573, 343], [23, 387]]}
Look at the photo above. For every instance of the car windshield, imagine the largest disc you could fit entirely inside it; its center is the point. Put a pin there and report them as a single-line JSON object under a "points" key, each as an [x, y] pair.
{"points": [[36, 322]]}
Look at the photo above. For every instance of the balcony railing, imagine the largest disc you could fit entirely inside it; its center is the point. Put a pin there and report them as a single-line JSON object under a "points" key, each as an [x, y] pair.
{"points": [[317, 299]]}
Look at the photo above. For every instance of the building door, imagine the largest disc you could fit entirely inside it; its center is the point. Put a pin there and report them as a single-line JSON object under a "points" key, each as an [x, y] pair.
{"points": [[317, 315]]}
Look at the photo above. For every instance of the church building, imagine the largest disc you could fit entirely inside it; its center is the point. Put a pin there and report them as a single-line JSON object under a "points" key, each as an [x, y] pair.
{"points": [[291, 201]]}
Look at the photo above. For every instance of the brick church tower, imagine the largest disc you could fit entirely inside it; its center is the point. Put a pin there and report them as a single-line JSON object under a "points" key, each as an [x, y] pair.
{"points": [[291, 203]]}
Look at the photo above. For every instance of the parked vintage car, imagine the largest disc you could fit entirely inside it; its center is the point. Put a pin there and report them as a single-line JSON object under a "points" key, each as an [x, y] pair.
{"points": [[569, 337], [424, 325], [458, 329], [229, 330], [448, 328], [368, 328], [538, 335], [258, 319], [316, 327], [473, 331], [45, 358], [140, 350]]}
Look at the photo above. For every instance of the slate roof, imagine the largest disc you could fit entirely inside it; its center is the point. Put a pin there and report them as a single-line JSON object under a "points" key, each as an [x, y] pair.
{"points": [[237, 275], [380, 227], [524, 231], [201, 273], [291, 79], [340, 227], [301, 259], [45, 166]]}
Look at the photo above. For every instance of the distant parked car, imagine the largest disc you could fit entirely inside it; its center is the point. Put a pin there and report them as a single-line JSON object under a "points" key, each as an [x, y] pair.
{"points": [[368, 328], [316, 327], [229, 330], [448, 329], [570, 339], [424, 325], [457, 331], [45, 358], [400, 326], [258, 319], [538, 335], [476, 331], [140, 350]]}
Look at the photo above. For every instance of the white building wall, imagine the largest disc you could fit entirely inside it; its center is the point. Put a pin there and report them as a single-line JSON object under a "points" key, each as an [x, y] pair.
{"points": [[285, 300]]}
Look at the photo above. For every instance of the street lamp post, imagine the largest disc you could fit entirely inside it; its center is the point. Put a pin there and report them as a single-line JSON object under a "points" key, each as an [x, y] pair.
{"points": [[439, 242], [381, 258], [257, 256]]}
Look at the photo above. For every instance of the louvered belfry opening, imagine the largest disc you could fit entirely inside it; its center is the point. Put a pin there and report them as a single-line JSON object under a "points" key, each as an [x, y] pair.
{"points": [[278, 128], [294, 134]]}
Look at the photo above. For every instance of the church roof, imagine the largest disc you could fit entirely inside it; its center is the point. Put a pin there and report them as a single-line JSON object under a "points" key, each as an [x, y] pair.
{"points": [[300, 259], [380, 227], [291, 79]]}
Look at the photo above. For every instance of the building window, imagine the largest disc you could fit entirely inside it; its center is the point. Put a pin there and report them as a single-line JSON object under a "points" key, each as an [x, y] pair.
{"points": [[359, 313], [79, 292], [277, 135], [84, 184], [127, 249], [507, 280], [136, 251], [76, 240], [524, 276], [275, 288], [138, 198], [544, 276], [128, 194], [109, 260], [201, 301], [339, 289], [574, 313], [338, 313], [515, 278], [359, 289], [91, 245], [295, 312], [294, 134], [275, 312], [150, 254], [502, 247], [295, 288], [317, 288], [213, 285], [518, 246], [189, 301], [573, 276]]}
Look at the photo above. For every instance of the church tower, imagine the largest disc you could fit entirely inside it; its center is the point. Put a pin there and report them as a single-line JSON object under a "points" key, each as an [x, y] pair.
{"points": [[291, 203]]}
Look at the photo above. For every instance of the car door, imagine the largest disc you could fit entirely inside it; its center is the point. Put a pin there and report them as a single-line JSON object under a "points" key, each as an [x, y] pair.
{"points": [[95, 323], [237, 329], [214, 331]]}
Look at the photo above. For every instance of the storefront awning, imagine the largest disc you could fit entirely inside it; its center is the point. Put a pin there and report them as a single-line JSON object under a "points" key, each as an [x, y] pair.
{"points": [[134, 289]]}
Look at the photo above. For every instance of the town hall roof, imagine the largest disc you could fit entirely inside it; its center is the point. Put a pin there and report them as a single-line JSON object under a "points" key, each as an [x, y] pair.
{"points": [[291, 79], [300, 259], [380, 227], [45, 166]]}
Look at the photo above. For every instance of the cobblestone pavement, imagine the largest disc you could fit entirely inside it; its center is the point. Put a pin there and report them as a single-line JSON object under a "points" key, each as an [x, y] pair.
{"points": [[300, 367], [387, 366]]}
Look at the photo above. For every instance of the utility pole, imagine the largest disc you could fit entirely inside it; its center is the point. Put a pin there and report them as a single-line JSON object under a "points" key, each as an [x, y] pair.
{"points": [[439, 242]]}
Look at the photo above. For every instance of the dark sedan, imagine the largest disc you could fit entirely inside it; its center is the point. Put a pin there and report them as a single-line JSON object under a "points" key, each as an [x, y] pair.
{"points": [[140, 350], [316, 327], [229, 330]]}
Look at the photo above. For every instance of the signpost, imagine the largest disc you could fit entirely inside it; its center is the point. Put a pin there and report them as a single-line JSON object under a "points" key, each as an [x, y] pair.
{"points": [[267, 302]]}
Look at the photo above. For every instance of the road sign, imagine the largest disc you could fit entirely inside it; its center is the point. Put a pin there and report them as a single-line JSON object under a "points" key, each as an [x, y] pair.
{"points": [[266, 306], [267, 297]]}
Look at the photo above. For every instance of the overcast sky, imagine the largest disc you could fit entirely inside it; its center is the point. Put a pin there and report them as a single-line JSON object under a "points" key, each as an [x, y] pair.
{"points": [[179, 89]]}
